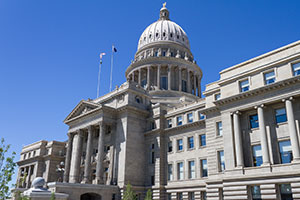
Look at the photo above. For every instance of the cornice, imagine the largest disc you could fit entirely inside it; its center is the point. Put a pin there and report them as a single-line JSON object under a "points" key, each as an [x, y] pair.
{"points": [[184, 126], [257, 91]]}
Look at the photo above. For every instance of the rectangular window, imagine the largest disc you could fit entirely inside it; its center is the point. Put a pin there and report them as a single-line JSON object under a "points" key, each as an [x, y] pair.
{"points": [[201, 116], [244, 85], [221, 161], [169, 123], [190, 117], [269, 77], [179, 145], [152, 157], [285, 149], [169, 196], [217, 96], [253, 121], [296, 69], [202, 139], [170, 146], [179, 196], [190, 142], [170, 172], [219, 129], [179, 120], [203, 195], [191, 195], [255, 192], [192, 169], [203, 168], [184, 86], [280, 115], [286, 191], [180, 171], [163, 82], [257, 155], [152, 180]]}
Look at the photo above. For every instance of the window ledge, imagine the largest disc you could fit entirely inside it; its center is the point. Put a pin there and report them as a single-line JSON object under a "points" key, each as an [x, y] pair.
{"points": [[281, 123]]}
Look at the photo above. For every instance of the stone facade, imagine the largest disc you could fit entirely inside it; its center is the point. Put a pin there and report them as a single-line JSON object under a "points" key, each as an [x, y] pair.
{"points": [[155, 131]]}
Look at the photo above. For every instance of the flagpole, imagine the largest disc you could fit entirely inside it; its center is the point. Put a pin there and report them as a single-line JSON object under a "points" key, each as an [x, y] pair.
{"points": [[98, 86], [111, 67]]}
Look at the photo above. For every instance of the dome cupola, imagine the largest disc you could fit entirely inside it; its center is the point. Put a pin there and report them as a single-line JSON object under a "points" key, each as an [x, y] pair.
{"points": [[164, 64], [163, 30]]}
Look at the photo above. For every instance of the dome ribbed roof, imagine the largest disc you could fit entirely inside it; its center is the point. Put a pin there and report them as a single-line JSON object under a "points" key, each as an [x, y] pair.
{"points": [[163, 30]]}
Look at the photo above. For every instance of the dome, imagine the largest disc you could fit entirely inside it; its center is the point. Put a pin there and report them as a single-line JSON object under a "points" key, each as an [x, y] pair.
{"points": [[163, 30]]}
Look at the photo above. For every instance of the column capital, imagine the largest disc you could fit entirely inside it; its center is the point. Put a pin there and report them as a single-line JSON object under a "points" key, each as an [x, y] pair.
{"points": [[236, 112], [288, 99], [260, 106]]}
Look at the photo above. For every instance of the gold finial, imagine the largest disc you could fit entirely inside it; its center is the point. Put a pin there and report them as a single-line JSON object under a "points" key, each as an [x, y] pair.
{"points": [[164, 4]]}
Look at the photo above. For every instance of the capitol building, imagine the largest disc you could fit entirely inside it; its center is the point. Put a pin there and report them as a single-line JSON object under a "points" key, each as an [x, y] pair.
{"points": [[238, 139]]}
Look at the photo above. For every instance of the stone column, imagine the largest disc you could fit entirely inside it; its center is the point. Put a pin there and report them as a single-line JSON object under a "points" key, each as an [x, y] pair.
{"points": [[148, 77], [158, 76], [238, 139], [87, 163], [199, 87], [28, 176], [100, 155], [195, 84], [76, 157], [132, 77], [180, 78], [188, 84], [263, 135], [292, 129], [169, 77], [68, 158], [140, 77]]}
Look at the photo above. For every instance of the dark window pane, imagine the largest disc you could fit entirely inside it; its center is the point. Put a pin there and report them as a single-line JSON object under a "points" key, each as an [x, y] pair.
{"points": [[253, 121]]}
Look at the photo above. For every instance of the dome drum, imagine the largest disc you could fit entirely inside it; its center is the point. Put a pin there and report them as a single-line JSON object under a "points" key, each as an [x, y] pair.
{"points": [[167, 77]]}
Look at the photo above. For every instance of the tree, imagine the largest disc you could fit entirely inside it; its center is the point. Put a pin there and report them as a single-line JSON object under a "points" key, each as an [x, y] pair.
{"points": [[52, 196], [7, 167], [148, 195], [129, 193]]}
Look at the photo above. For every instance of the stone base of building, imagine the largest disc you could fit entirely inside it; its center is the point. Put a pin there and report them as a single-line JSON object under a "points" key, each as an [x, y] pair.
{"points": [[77, 191]]}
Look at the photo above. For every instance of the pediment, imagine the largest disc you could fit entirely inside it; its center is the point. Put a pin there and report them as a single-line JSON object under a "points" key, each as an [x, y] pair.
{"points": [[82, 108]]}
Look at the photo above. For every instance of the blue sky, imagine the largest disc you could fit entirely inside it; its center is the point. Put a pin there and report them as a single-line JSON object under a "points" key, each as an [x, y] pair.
{"points": [[49, 50]]}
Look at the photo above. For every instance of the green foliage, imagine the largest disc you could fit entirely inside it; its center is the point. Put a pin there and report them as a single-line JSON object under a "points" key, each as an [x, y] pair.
{"points": [[52, 196], [129, 194], [7, 166], [19, 196], [148, 195]]}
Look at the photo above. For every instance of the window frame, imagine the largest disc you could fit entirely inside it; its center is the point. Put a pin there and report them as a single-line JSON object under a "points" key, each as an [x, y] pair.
{"points": [[202, 168], [177, 144], [254, 158], [191, 173], [277, 119], [297, 72], [179, 122], [201, 140], [189, 142], [221, 165], [169, 123], [219, 131], [242, 87], [217, 96], [162, 78], [188, 117], [280, 152], [256, 122], [179, 172], [266, 80]]}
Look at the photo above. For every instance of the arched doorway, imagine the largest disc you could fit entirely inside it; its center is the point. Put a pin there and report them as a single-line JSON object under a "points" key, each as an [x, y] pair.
{"points": [[90, 196]]}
